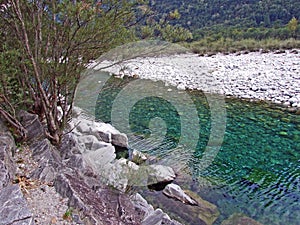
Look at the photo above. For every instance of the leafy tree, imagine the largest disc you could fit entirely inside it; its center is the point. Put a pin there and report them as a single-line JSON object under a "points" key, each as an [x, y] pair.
{"points": [[159, 27], [292, 25], [44, 47]]}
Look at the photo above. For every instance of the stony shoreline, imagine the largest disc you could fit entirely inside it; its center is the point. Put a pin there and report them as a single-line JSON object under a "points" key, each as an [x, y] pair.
{"points": [[41, 184], [273, 77]]}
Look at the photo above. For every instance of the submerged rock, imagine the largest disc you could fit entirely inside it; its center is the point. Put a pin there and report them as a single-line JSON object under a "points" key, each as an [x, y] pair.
{"points": [[240, 219], [175, 191], [207, 212]]}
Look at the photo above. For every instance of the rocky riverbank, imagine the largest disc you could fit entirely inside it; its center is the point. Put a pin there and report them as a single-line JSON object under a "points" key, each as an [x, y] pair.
{"points": [[83, 181], [42, 184], [273, 76]]}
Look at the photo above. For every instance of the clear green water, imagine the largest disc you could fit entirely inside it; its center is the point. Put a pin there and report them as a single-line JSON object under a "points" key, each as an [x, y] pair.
{"points": [[257, 169]]}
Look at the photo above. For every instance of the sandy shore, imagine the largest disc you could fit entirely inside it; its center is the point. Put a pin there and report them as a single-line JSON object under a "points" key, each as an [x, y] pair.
{"points": [[265, 76]]}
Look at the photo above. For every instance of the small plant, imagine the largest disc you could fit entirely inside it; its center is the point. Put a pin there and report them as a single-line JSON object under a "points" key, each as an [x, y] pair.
{"points": [[68, 214]]}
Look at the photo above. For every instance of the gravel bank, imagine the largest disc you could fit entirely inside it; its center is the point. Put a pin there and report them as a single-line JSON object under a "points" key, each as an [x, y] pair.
{"points": [[47, 206], [262, 76]]}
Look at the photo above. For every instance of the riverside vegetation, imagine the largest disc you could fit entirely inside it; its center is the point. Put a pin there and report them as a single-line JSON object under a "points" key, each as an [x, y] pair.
{"points": [[45, 45]]}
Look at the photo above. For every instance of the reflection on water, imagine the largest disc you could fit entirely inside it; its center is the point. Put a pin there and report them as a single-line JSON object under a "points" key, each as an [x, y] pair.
{"points": [[257, 169]]}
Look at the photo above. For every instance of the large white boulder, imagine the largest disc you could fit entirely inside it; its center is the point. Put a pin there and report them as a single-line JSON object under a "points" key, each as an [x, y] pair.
{"points": [[101, 157], [90, 142]]}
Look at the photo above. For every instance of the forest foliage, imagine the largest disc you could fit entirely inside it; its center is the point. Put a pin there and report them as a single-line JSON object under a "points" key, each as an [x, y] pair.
{"points": [[45, 45], [258, 19]]}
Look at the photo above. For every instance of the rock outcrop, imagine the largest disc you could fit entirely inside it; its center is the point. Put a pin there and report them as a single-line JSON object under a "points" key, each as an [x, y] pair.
{"points": [[32, 124], [14, 209], [84, 169], [7, 167], [103, 206]]}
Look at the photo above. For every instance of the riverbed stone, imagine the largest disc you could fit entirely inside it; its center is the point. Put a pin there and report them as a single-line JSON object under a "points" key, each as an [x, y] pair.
{"points": [[14, 209], [175, 191], [240, 219], [207, 212]]}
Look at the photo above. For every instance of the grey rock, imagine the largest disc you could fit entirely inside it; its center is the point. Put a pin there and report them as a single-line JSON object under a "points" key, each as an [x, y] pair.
{"points": [[84, 127], [110, 134], [100, 157], [293, 100], [14, 208], [48, 159], [138, 157], [69, 146], [35, 130], [76, 112], [280, 51], [294, 51], [78, 163], [104, 136], [102, 207], [158, 217], [120, 174], [160, 174], [175, 191], [7, 167], [142, 205], [254, 88], [119, 139], [91, 142]]}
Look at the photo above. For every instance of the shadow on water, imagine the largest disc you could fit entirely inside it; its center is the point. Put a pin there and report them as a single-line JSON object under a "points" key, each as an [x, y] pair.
{"points": [[256, 171]]}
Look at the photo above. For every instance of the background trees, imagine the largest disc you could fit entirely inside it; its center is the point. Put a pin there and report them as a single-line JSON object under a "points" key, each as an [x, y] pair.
{"points": [[228, 17], [45, 44], [44, 47]]}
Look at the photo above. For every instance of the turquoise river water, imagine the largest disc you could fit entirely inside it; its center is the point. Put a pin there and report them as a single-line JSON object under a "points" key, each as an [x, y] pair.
{"points": [[256, 170]]}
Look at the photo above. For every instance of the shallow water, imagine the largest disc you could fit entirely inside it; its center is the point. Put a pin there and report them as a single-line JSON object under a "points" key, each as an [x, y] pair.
{"points": [[255, 165]]}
